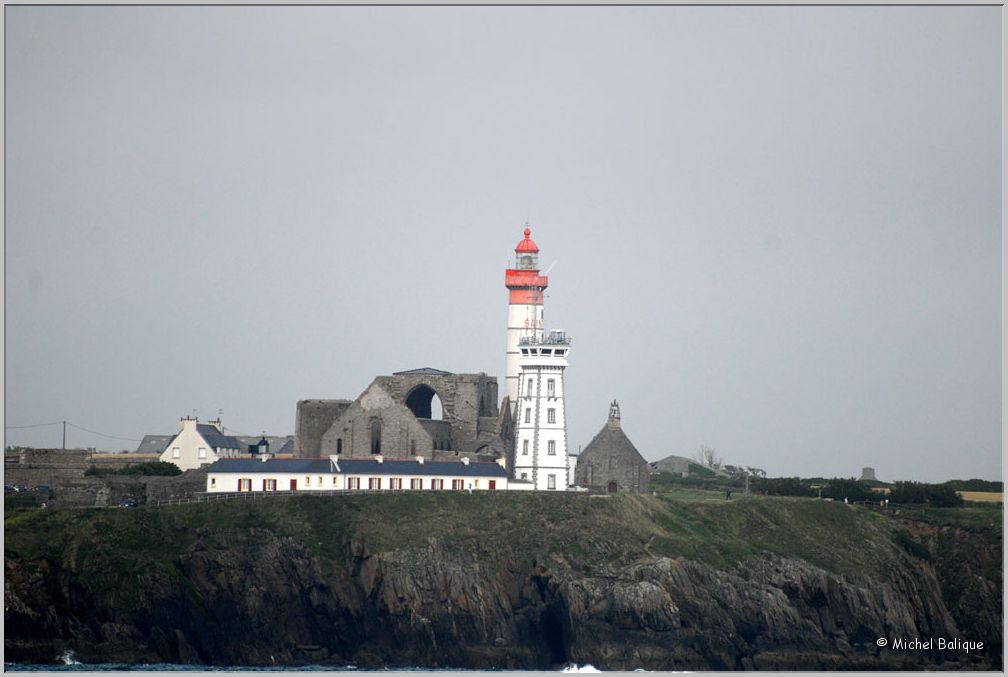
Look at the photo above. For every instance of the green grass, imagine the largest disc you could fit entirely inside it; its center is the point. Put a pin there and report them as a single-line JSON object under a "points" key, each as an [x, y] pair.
{"points": [[114, 545]]}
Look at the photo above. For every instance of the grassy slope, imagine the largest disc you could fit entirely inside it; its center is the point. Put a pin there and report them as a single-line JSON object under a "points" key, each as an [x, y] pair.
{"points": [[695, 524]]}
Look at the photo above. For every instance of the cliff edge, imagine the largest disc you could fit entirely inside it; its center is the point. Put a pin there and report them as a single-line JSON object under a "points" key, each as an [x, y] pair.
{"points": [[678, 581]]}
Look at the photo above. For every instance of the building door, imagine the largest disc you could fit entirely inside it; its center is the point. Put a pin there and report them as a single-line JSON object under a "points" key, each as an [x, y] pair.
{"points": [[493, 484], [611, 487], [293, 485]]}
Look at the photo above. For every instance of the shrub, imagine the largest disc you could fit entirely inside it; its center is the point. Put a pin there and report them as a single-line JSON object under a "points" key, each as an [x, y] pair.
{"points": [[147, 469], [907, 542], [941, 495]]}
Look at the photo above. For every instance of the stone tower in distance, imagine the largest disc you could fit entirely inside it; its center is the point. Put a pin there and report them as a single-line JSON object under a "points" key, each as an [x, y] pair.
{"points": [[525, 307]]}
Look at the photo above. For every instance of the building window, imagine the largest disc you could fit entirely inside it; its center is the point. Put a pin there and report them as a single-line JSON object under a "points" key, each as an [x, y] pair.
{"points": [[416, 483], [437, 484], [353, 483], [524, 476], [551, 447], [213, 482], [339, 446], [245, 484], [269, 485], [320, 480], [374, 483], [457, 485], [524, 447], [560, 353], [528, 414], [307, 481], [334, 480], [202, 452], [551, 481], [528, 393], [551, 388], [395, 483], [376, 437], [176, 452], [551, 415]]}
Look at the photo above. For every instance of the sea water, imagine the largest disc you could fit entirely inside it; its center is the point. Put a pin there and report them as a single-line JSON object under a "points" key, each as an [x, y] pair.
{"points": [[72, 665]]}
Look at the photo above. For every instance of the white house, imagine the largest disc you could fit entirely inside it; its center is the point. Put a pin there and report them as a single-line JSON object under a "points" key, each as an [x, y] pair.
{"points": [[198, 443], [336, 474]]}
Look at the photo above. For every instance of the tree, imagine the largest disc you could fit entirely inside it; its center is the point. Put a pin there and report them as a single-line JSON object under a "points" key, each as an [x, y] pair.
{"points": [[707, 456]]}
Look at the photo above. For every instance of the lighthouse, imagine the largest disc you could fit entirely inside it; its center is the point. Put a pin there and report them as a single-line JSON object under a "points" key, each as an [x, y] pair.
{"points": [[540, 454], [525, 307]]}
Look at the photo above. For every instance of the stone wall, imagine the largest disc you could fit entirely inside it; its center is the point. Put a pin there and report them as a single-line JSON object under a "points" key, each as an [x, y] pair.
{"points": [[402, 435], [313, 419], [402, 402], [63, 472]]}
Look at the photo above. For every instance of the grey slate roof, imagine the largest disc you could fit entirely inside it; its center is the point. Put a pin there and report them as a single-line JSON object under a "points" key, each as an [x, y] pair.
{"points": [[214, 438], [611, 441], [358, 467], [423, 371], [154, 444]]}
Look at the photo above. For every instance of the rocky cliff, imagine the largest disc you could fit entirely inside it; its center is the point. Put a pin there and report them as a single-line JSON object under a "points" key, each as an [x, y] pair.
{"points": [[508, 581]]}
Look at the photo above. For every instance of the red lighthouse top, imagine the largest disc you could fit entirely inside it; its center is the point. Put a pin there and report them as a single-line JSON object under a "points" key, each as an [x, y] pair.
{"points": [[527, 245]]}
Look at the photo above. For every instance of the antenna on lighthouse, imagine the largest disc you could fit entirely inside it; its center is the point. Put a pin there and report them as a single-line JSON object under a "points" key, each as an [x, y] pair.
{"points": [[546, 272]]}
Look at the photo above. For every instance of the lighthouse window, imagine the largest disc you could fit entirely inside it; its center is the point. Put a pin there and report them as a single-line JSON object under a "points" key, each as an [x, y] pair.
{"points": [[529, 394], [551, 448], [551, 481], [551, 388], [524, 447], [547, 351], [551, 415], [528, 414], [560, 352]]}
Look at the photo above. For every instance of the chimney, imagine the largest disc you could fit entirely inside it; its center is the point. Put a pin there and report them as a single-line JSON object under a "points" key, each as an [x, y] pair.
{"points": [[189, 422], [465, 460], [419, 459], [379, 459]]}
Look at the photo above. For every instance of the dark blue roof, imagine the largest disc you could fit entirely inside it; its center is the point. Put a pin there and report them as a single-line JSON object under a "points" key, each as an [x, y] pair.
{"points": [[310, 465], [214, 438], [453, 468], [359, 467], [422, 371]]}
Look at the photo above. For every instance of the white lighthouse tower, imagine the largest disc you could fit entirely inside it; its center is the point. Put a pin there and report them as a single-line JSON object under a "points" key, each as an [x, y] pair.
{"points": [[525, 307], [541, 419]]}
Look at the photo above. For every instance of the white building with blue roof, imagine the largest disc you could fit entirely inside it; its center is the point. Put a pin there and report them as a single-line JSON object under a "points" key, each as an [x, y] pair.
{"points": [[343, 474]]}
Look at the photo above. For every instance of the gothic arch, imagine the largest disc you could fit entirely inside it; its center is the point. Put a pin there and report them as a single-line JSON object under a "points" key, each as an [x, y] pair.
{"points": [[420, 401]]}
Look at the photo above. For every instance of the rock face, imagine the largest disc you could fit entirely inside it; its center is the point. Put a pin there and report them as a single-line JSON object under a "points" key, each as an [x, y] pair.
{"points": [[239, 595]]}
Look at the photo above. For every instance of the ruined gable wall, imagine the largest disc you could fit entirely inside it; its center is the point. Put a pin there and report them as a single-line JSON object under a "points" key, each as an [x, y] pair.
{"points": [[398, 428]]}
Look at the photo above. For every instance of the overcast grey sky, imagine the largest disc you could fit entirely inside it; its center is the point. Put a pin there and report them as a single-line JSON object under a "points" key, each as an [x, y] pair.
{"points": [[778, 229]]}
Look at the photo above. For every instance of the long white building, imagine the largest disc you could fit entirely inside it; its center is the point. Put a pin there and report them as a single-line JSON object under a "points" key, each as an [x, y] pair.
{"points": [[375, 474]]}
